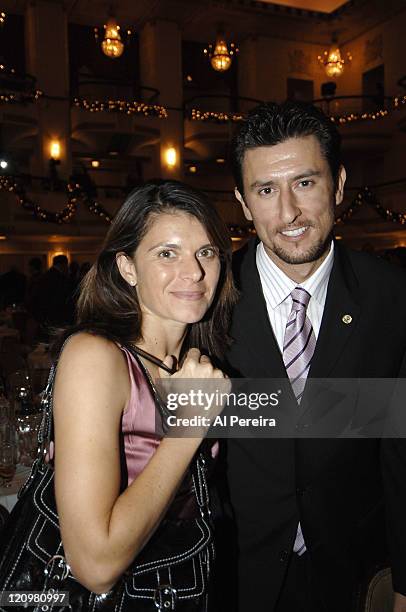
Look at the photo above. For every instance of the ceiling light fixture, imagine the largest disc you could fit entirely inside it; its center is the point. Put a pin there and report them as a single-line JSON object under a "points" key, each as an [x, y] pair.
{"points": [[112, 45], [333, 61], [220, 55]]}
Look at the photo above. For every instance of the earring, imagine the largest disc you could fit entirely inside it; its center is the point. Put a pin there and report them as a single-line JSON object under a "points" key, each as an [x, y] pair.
{"points": [[133, 283]]}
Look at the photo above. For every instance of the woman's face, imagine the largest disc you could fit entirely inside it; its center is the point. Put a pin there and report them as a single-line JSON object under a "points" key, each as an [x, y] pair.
{"points": [[176, 269]]}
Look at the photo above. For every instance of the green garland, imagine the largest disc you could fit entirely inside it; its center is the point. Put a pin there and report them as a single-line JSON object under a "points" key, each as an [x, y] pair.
{"points": [[76, 193], [366, 195]]}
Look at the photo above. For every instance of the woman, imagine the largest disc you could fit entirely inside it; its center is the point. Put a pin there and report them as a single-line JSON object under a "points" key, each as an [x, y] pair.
{"points": [[161, 287]]}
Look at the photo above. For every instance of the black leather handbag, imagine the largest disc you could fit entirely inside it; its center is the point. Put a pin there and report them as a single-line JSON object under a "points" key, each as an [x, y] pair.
{"points": [[170, 573]]}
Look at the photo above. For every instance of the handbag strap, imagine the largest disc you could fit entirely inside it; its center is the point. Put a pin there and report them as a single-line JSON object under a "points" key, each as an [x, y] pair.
{"points": [[199, 464], [45, 430]]}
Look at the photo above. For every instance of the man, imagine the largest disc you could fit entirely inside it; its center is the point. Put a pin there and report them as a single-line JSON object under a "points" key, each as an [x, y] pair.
{"points": [[53, 304], [309, 513]]}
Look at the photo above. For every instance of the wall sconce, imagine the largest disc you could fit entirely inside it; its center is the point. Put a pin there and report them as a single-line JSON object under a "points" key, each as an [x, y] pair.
{"points": [[171, 157], [95, 163], [55, 149], [54, 182]]}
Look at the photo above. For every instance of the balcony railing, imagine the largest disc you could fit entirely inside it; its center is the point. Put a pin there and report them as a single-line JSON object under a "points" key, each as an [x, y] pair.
{"points": [[336, 106], [102, 88], [219, 103], [12, 81], [357, 105]]}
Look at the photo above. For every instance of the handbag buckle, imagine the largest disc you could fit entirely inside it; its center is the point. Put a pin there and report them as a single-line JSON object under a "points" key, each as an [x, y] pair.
{"points": [[165, 597], [61, 564]]}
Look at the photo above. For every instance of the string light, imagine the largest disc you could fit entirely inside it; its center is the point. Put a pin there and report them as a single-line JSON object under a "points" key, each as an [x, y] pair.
{"points": [[121, 106], [16, 97], [351, 117], [349, 211], [366, 195], [217, 117], [394, 103], [76, 193], [155, 110]]}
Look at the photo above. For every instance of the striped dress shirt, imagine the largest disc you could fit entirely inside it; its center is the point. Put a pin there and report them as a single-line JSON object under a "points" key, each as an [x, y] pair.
{"points": [[277, 288]]}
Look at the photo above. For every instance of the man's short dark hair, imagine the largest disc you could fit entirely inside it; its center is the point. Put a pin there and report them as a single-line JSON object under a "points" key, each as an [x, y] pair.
{"points": [[60, 260], [35, 263], [269, 124]]}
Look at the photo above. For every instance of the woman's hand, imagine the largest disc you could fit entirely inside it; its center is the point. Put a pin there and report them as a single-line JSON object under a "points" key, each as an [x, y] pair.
{"points": [[195, 394]]}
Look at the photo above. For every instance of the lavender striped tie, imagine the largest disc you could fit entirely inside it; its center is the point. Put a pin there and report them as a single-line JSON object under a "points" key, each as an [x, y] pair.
{"points": [[299, 342], [298, 348]]}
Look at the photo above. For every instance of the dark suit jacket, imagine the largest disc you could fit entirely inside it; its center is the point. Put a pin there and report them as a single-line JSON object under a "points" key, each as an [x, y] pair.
{"points": [[333, 486], [52, 304]]}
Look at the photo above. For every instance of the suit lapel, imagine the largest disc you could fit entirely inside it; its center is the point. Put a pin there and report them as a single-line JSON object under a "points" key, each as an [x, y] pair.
{"points": [[341, 302], [252, 324], [340, 317], [254, 331]]}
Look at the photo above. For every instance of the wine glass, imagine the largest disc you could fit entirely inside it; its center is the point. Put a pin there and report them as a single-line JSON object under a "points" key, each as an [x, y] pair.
{"points": [[8, 463]]}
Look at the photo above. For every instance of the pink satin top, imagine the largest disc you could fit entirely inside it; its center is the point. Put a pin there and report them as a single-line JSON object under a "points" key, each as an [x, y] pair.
{"points": [[138, 422]]}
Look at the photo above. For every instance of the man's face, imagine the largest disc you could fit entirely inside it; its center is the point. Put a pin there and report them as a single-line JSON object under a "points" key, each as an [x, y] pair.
{"points": [[289, 196]]}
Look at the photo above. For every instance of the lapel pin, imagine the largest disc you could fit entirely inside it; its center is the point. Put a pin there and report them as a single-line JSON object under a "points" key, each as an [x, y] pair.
{"points": [[347, 319]]}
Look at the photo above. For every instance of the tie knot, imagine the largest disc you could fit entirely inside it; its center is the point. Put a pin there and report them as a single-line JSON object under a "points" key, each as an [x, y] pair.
{"points": [[300, 298]]}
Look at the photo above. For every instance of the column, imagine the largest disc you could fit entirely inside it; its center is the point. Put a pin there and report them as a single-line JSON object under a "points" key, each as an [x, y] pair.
{"points": [[48, 60], [161, 67]]}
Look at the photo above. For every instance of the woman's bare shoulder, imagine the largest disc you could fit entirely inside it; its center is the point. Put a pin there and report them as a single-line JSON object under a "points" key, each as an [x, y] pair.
{"points": [[92, 352], [91, 343], [92, 370]]}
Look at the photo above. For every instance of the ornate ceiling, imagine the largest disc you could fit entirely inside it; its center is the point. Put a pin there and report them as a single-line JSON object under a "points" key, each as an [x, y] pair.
{"points": [[306, 20]]}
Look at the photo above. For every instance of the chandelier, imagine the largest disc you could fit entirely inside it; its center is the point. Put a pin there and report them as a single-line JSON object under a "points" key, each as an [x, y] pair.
{"points": [[333, 61], [112, 45], [220, 56]]}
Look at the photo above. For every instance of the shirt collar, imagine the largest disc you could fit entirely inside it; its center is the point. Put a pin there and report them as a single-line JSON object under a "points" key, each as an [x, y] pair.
{"points": [[279, 286]]}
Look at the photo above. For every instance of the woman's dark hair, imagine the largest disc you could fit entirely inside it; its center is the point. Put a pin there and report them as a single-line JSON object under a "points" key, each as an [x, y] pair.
{"points": [[108, 305], [269, 124]]}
